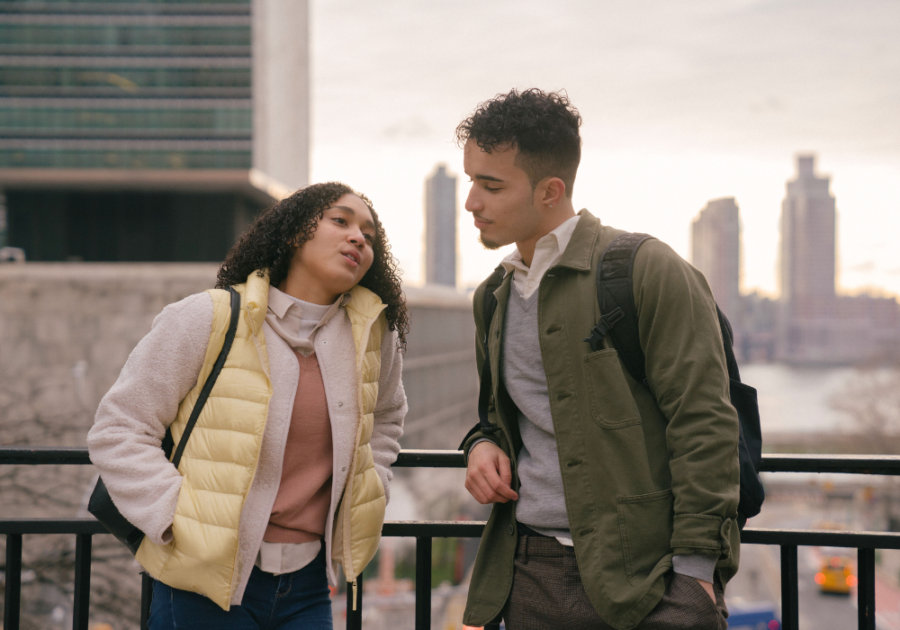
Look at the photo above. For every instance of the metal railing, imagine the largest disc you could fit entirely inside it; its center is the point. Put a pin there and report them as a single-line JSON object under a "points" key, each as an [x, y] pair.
{"points": [[424, 532]]}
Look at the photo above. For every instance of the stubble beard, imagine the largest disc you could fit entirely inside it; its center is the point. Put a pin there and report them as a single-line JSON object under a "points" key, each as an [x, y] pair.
{"points": [[488, 244]]}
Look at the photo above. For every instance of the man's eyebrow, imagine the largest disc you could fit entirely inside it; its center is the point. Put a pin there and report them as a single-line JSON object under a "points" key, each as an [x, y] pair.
{"points": [[488, 178], [368, 223]]}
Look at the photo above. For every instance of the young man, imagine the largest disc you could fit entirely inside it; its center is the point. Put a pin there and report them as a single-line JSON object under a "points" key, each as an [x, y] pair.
{"points": [[614, 502]]}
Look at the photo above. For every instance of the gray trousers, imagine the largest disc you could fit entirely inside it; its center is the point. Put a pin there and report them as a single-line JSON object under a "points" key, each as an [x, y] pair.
{"points": [[547, 594]]}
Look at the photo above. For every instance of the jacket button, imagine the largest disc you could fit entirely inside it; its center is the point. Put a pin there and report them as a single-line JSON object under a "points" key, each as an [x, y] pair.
{"points": [[340, 404], [512, 530]]}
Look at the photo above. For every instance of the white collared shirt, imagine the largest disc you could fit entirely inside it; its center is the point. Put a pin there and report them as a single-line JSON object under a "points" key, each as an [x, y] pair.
{"points": [[297, 321], [547, 252]]}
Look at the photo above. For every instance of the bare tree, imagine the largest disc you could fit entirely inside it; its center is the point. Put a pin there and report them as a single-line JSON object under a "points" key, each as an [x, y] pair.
{"points": [[47, 409], [872, 400]]}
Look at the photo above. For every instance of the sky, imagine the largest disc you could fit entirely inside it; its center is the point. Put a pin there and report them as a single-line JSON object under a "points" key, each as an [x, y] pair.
{"points": [[682, 102]]}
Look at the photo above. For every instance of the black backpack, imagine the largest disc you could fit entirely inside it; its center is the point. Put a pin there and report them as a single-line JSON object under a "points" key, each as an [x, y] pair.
{"points": [[615, 294]]}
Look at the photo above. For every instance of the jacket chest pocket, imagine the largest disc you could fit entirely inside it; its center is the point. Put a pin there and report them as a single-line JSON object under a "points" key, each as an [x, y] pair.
{"points": [[612, 405]]}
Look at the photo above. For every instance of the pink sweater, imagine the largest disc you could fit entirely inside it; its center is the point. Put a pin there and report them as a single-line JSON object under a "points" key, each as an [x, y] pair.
{"points": [[304, 496]]}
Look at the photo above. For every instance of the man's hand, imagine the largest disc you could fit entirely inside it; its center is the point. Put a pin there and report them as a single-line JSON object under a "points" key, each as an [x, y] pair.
{"points": [[708, 587], [488, 475]]}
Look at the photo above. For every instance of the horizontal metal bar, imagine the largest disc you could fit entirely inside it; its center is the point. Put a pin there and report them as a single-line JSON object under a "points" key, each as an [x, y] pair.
{"points": [[416, 458], [473, 529], [854, 464], [820, 538], [434, 529], [51, 526], [43, 455], [411, 458]]}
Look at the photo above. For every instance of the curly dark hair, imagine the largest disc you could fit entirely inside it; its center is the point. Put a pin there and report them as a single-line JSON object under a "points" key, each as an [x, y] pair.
{"points": [[542, 125], [278, 232]]}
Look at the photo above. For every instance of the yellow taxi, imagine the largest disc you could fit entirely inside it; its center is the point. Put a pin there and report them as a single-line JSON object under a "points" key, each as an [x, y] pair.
{"points": [[836, 574]]}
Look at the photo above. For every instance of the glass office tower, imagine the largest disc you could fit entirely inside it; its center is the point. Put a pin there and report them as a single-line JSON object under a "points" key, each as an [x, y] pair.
{"points": [[144, 130]]}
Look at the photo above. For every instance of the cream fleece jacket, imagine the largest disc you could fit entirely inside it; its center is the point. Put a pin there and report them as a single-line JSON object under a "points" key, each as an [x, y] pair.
{"points": [[132, 418]]}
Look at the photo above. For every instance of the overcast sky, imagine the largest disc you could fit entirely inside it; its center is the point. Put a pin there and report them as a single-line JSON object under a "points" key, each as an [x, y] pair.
{"points": [[682, 102]]}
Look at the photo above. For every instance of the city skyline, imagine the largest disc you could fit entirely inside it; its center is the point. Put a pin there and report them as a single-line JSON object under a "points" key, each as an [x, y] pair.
{"points": [[681, 104]]}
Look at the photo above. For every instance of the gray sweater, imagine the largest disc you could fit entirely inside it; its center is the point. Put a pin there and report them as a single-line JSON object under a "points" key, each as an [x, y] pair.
{"points": [[542, 504]]}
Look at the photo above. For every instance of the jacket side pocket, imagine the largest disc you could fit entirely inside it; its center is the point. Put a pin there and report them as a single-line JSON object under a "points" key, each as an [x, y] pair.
{"points": [[645, 525], [612, 404]]}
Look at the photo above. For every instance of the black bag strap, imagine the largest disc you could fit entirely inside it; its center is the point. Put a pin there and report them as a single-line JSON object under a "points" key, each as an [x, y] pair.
{"points": [[485, 395], [211, 379], [615, 295]]}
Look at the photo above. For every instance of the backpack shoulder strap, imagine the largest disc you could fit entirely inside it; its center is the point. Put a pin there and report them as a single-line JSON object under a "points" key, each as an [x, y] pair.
{"points": [[615, 295], [728, 343], [486, 392]]}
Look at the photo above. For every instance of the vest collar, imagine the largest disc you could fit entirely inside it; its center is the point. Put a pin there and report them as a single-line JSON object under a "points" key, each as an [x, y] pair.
{"points": [[364, 302], [256, 299]]}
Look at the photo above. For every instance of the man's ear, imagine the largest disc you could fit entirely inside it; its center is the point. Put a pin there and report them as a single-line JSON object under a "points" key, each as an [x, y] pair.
{"points": [[551, 191]]}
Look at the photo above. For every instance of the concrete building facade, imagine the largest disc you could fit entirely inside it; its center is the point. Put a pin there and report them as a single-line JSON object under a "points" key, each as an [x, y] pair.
{"points": [[716, 251], [440, 228], [149, 131]]}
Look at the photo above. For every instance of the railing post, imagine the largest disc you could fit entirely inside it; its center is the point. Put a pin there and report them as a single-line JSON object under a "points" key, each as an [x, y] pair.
{"points": [[354, 617], [790, 609], [423, 582], [81, 612], [146, 597], [865, 565], [12, 592]]}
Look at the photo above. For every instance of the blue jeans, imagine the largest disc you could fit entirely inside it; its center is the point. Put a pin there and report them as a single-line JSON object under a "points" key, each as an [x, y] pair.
{"points": [[293, 600]]}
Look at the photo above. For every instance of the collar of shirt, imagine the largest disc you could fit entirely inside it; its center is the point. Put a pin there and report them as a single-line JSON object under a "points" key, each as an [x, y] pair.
{"points": [[292, 319], [547, 252]]}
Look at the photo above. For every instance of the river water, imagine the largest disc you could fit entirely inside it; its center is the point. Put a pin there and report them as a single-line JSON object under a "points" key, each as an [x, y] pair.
{"points": [[797, 399]]}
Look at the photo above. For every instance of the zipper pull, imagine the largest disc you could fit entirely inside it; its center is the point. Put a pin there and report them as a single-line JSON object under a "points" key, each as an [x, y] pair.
{"points": [[354, 594]]}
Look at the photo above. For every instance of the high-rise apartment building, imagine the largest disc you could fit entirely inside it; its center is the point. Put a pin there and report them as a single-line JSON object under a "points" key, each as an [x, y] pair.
{"points": [[809, 329], [808, 224], [440, 228], [148, 131], [716, 251]]}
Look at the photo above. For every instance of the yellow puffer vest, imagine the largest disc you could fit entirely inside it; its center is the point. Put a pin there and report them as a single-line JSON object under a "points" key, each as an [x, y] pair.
{"points": [[364, 515], [220, 459]]}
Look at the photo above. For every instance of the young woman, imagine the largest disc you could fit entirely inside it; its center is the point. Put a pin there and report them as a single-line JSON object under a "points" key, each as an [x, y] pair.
{"points": [[286, 471]]}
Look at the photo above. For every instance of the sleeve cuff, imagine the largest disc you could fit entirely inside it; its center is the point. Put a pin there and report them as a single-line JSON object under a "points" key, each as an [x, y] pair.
{"points": [[695, 565]]}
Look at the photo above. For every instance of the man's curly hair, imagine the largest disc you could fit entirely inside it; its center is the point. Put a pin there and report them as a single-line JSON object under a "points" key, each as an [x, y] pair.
{"points": [[278, 232], [542, 125]]}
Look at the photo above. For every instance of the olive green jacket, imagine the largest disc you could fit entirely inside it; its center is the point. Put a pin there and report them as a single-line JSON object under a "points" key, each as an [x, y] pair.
{"points": [[647, 472]]}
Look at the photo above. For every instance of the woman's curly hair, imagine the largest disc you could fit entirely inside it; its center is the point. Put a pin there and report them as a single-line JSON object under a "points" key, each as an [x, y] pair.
{"points": [[278, 232]]}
